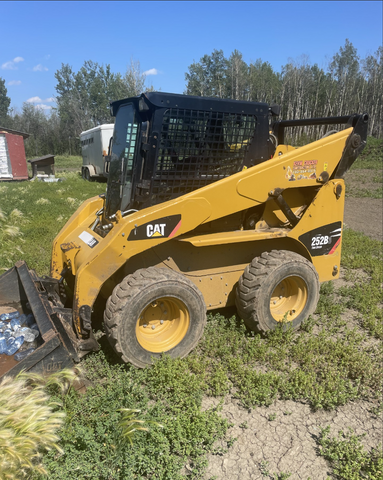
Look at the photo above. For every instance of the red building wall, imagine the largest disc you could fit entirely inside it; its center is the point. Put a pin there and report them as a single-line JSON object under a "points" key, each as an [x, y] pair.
{"points": [[17, 155]]}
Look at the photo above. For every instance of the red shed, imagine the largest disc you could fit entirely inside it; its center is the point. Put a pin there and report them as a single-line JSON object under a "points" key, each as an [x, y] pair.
{"points": [[13, 163]]}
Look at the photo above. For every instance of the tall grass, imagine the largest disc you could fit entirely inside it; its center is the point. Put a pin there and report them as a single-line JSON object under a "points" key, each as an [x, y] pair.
{"points": [[29, 422], [32, 215]]}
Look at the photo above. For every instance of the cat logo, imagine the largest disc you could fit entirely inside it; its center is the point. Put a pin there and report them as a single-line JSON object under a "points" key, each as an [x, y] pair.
{"points": [[156, 230]]}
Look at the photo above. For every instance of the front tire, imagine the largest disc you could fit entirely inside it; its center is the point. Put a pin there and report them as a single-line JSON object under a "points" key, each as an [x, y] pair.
{"points": [[277, 287], [152, 311]]}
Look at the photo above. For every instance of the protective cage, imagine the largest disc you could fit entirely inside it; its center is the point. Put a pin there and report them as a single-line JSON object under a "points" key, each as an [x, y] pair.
{"points": [[186, 142], [198, 148]]}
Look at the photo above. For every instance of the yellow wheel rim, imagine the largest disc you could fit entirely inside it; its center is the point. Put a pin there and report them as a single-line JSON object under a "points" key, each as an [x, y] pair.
{"points": [[288, 299], [162, 324]]}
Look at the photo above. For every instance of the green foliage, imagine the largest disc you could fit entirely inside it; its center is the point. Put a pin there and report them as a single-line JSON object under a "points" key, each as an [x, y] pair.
{"points": [[303, 90], [83, 97], [5, 101], [366, 192], [208, 77], [168, 394], [29, 422], [348, 458]]}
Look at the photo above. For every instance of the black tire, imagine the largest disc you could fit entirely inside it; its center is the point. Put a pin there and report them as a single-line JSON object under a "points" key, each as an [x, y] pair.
{"points": [[279, 286], [160, 298], [86, 174]]}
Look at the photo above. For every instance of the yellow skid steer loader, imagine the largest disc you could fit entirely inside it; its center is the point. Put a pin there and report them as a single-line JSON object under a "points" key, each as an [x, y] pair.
{"points": [[206, 207]]}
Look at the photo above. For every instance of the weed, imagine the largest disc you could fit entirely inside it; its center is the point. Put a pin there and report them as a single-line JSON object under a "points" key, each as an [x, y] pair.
{"points": [[281, 476], [168, 394], [231, 442], [264, 468], [348, 459], [265, 472], [272, 417], [244, 425]]}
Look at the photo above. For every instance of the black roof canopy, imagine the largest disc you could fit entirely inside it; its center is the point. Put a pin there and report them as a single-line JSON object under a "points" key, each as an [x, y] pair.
{"points": [[191, 102]]}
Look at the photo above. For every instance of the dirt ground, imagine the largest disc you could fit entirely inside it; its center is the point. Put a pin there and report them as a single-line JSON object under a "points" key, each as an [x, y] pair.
{"points": [[365, 215], [288, 444]]}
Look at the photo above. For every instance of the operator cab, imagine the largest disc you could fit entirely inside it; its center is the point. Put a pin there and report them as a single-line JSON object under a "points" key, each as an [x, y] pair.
{"points": [[166, 145]]}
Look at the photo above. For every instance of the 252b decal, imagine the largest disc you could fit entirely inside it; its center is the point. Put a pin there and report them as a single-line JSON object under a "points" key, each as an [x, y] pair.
{"points": [[320, 240], [324, 240]]}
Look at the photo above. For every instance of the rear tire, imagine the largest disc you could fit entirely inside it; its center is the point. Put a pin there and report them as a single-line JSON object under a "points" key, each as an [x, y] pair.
{"points": [[152, 311], [277, 287]]}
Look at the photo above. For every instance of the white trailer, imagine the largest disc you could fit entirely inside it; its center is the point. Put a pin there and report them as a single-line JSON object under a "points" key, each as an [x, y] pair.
{"points": [[95, 147]]}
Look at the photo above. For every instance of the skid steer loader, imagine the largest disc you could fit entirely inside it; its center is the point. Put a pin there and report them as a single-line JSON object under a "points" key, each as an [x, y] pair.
{"points": [[206, 206]]}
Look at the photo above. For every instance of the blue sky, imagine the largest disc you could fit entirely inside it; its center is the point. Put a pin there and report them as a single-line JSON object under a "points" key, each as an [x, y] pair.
{"points": [[166, 37]]}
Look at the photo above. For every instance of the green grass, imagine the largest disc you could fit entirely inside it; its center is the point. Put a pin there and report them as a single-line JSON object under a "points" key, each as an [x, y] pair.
{"points": [[361, 254], [364, 180], [68, 163], [43, 210], [327, 363], [365, 192], [371, 157]]}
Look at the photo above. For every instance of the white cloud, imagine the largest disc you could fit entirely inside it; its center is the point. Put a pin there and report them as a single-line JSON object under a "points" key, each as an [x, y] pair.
{"points": [[47, 57], [40, 68], [40, 100], [152, 71], [11, 65], [43, 107], [34, 100], [14, 82], [8, 66]]}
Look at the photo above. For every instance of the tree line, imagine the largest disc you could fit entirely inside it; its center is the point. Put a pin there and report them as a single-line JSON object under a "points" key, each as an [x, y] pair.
{"points": [[82, 100], [347, 85]]}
